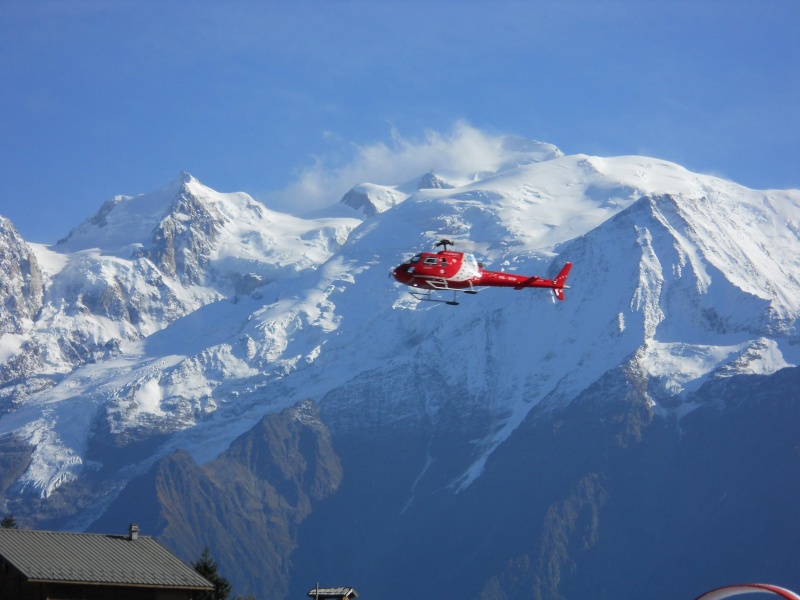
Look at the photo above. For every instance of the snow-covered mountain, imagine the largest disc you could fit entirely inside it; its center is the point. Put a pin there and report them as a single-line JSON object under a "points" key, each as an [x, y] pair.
{"points": [[179, 319], [137, 266]]}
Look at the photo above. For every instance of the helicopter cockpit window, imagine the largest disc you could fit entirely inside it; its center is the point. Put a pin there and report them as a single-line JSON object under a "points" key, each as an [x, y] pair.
{"points": [[415, 259]]}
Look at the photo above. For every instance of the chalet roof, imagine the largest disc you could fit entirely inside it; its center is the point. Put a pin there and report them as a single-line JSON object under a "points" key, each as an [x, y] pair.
{"points": [[339, 593], [96, 559]]}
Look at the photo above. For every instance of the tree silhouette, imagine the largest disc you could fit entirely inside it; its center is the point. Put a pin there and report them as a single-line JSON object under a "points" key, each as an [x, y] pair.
{"points": [[207, 567], [9, 522]]}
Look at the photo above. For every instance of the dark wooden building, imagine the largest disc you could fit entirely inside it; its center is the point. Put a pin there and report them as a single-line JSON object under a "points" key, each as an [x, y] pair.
{"points": [[49, 565]]}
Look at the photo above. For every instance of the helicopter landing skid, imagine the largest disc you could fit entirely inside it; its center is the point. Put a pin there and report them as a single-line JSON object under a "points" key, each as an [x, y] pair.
{"points": [[426, 296]]}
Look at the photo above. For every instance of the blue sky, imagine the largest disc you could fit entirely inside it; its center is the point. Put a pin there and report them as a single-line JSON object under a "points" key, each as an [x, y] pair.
{"points": [[106, 98]]}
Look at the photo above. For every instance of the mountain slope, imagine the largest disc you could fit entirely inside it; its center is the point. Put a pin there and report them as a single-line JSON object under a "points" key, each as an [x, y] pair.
{"points": [[600, 498], [680, 283], [21, 282], [247, 503], [669, 511]]}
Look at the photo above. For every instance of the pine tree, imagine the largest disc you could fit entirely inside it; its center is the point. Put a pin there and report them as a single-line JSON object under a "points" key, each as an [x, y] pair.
{"points": [[9, 522], [207, 567]]}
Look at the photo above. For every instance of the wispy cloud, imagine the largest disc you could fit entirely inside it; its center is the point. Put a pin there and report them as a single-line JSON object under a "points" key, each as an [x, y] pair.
{"points": [[461, 151]]}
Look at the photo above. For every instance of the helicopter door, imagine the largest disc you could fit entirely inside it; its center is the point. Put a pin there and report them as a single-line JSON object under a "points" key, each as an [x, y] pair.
{"points": [[469, 268]]}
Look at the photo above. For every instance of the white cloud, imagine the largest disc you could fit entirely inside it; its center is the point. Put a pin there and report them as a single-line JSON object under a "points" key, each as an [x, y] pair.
{"points": [[461, 151]]}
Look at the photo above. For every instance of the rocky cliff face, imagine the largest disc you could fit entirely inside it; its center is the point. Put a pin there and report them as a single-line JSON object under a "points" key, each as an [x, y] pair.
{"points": [[21, 281], [183, 242], [247, 504]]}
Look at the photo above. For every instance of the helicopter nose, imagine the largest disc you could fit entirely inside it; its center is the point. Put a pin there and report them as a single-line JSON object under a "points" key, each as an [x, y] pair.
{"points": [[399, 273]]}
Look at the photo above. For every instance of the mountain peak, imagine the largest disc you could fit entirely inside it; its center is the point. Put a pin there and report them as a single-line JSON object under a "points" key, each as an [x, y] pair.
{"points": [[126, 221], [431, 181], [186, 177], [371, 199]]}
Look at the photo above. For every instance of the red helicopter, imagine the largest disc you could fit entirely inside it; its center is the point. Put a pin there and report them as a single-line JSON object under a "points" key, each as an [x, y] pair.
{"points": [[460, 272]]}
